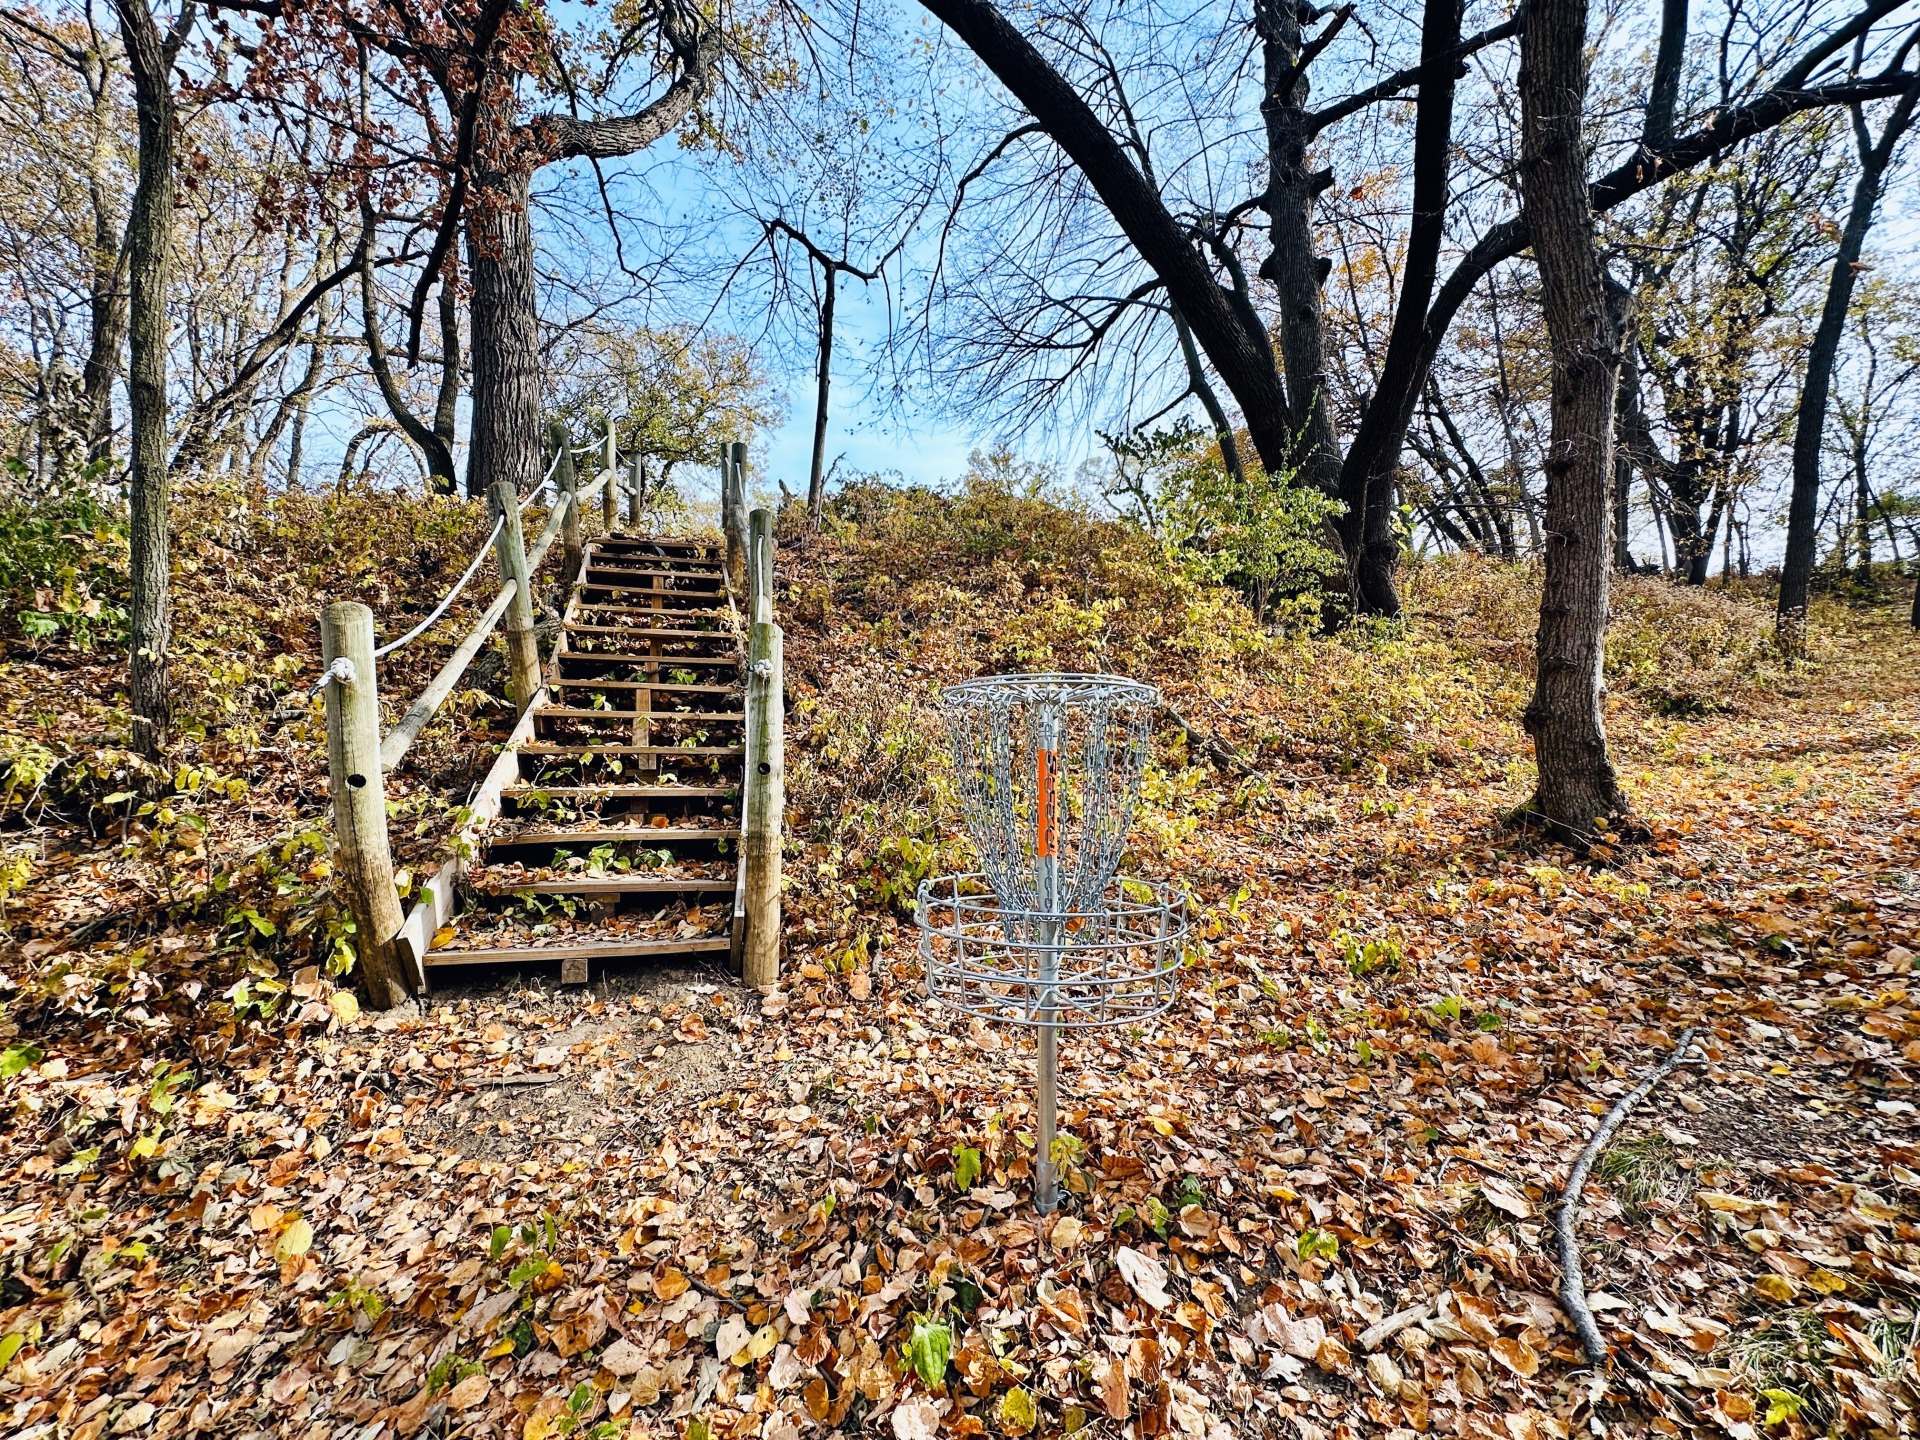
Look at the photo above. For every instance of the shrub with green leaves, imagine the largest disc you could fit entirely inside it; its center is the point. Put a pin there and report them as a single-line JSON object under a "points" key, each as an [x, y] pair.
{"points": [[63, 564]]}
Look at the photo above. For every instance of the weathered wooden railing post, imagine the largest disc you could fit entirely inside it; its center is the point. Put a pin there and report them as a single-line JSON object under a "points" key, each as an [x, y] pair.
{"points": [[573, 551], [763, 805], [636, 484], [360, 800], [733, 512], [523, 649], [610, 462]]}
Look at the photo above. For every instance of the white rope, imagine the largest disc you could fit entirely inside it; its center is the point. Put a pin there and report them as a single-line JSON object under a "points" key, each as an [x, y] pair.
{"points": [[341, 669], [541, 489], [452, 594]]}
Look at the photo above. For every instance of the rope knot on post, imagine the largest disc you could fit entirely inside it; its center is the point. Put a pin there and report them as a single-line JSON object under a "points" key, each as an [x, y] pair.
{"points": [[341, 669]]}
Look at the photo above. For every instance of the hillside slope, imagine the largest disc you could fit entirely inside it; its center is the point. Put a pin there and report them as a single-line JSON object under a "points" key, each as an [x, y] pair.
{"points": [[1314, 1195]]}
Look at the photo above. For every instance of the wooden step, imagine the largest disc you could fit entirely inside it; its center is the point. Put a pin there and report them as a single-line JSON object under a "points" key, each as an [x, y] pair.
{"points": [[617, 657], [604, 587], [592, 682], [613, 834], [675, 612], [712, 577], [615, 544], [622, 792], [692, 752], [599, 950], [645, 632], [587, 712], [601, 885]]}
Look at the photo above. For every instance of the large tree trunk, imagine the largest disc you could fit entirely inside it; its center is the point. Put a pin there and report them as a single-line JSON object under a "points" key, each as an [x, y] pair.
{"points": [[1293, 268], [149, 265], [1810, 425], [1367, 480], [816, 476], [1586, 317], [505, 315]]}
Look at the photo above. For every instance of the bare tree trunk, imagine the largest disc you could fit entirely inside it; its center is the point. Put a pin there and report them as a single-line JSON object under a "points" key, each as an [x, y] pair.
{"points": [[108, 300], [1586, 319], [447, 404], [505, 315], [1373, 461], [149, 265], [1293, 268], [816, 476], [1810, 426], [303, 403], [439, 455]]}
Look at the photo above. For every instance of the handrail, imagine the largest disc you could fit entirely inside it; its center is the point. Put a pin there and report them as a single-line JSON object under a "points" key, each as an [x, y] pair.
{"points": [[486, 546], [399, 740]]}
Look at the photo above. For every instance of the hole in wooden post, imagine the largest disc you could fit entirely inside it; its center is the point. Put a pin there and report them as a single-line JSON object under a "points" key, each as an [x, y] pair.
{"points": [[765, 768], [358, 782]]}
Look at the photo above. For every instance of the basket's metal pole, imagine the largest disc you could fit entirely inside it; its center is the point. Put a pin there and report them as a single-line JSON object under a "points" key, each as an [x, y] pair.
{"points": [[1046, 859]]}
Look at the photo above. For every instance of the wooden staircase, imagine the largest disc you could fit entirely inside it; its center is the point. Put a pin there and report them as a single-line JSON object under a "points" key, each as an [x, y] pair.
{"points": [[618, 796]]}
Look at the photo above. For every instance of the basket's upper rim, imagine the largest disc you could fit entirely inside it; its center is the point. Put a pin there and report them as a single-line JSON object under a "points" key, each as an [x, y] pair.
{"points": [[1058, 687]]}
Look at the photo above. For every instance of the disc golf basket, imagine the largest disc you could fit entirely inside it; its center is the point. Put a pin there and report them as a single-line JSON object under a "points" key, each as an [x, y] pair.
{"points": [[1045, 934]]}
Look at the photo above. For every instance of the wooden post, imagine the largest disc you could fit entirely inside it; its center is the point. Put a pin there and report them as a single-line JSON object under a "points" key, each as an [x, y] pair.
{"points": [[636, 484], [763, 805], [609, 502], [360, 802], [760, 566], [574, 551], [733, 512], [523, 650]]}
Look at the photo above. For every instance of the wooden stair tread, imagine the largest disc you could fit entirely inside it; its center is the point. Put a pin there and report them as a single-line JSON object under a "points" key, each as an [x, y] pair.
{"points": [[661, 612], [704, 752], [600, 885], [642, 658], [708, 572], [596, 682], [643, 633], [567, 712], [598, 950], [624, 792], [605, 833]]}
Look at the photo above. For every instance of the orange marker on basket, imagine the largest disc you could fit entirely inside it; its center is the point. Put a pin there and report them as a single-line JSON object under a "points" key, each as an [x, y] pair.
{"points": [[1044, 839]]}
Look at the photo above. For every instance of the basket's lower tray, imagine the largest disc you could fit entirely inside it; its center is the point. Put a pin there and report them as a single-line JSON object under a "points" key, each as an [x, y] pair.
{"points": [[1115, 964]]}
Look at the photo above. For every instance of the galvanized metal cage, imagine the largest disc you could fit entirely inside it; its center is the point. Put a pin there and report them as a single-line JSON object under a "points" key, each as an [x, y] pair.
{"points": [[1115, 964], [1044, 935]]}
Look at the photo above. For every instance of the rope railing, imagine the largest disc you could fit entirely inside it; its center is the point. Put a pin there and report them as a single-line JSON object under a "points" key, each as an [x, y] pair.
{"points": [[486, 546]]}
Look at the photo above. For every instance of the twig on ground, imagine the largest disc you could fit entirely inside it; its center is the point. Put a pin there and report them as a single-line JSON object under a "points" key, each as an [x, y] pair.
{"points": [[1573, 1284]]}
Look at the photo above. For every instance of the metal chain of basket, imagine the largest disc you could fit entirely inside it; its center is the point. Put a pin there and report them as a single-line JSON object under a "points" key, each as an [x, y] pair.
{"points": [[1046, 935]]}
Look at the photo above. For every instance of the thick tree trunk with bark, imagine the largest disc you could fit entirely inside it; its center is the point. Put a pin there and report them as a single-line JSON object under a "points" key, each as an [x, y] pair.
{"points": [[149, 266], [1810, 425], [1292, 267], [1586, 316], [504, 315]]}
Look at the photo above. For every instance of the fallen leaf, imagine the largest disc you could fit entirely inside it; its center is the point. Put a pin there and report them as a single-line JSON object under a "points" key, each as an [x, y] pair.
{"points": [[1146, 1277]]}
